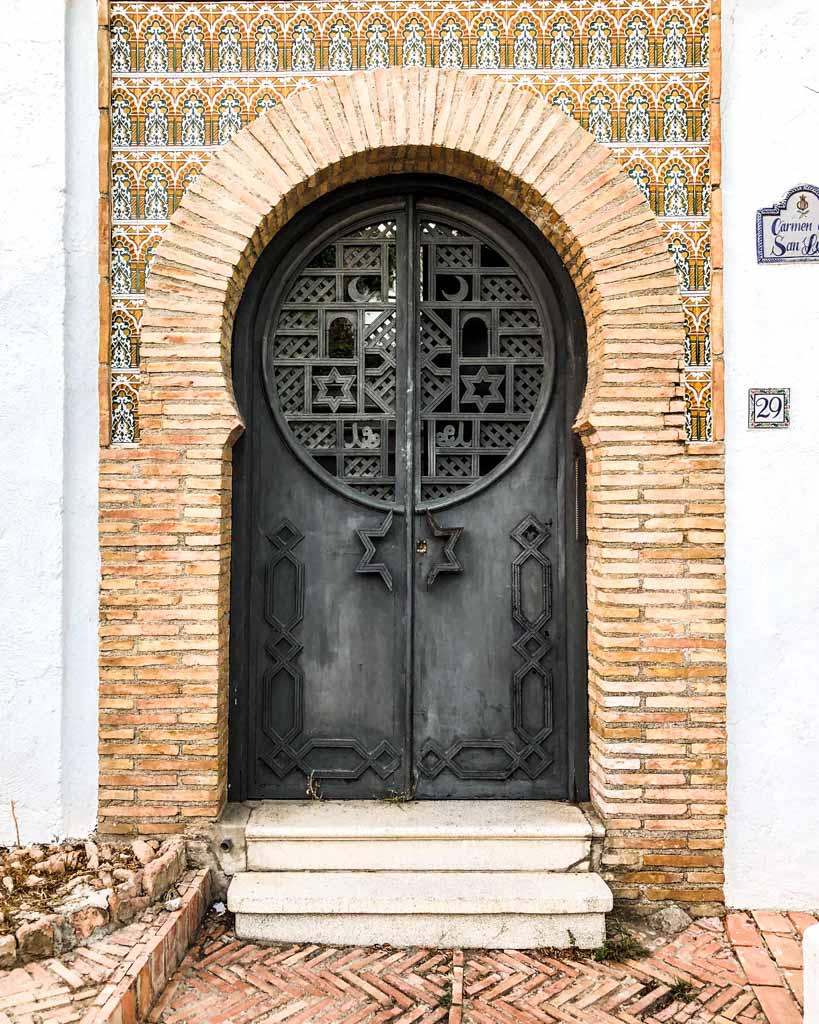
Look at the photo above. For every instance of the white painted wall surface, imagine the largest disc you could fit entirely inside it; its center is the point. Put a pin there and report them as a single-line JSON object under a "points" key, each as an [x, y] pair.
{"points": [[49, 564], [48, 351], [770, 144], [81, 563]]}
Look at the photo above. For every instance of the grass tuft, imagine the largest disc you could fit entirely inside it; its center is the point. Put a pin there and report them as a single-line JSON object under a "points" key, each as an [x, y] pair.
{"points": [[619, 948], [682, 991]]}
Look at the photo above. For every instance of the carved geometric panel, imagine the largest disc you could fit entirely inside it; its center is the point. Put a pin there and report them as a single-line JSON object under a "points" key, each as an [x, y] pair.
{"points": [[286, 749], [481, 358], [492, 759], [333, 358]]}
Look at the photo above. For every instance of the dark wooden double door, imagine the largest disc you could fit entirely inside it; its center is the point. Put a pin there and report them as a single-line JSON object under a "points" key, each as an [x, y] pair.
{"points": [[407, 600]]}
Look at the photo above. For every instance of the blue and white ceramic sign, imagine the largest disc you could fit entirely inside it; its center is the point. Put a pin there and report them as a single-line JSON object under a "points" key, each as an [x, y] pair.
{"points": [[789, 231]]}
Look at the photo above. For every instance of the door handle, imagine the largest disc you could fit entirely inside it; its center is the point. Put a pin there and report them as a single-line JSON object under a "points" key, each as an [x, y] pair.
{"points": [[451, 561], [366, 565]]}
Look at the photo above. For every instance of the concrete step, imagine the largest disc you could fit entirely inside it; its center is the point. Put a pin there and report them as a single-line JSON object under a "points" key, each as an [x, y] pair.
{"points": [[466, 835], [490, 909]]}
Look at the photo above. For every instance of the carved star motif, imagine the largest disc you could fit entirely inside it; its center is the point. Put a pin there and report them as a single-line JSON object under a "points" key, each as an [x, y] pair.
{"points": [[334, 379], [451, 562], [365, 535], [473, 381]]}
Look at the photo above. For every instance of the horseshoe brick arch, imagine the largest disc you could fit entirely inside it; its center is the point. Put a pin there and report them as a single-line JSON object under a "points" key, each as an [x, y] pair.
{"points": [[654, 504]]}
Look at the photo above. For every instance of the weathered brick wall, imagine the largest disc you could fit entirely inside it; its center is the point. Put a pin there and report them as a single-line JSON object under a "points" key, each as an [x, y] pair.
{"points": [[655, 552]]}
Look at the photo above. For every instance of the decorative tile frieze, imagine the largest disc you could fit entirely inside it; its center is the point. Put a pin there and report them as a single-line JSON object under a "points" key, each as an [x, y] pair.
{"points": [[187, 76]]}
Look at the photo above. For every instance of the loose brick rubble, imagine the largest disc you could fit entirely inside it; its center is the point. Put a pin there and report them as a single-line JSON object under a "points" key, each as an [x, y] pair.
{"points": [[56, 898], [226, 980], [114, 980]]}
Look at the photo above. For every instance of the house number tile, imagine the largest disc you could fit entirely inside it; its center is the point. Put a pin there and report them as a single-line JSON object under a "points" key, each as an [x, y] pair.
{"points": [[769, 408]]}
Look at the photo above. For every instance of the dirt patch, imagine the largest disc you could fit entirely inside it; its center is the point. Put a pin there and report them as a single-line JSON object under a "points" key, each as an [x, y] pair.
{"points": [[53, 898], [37, 879]]}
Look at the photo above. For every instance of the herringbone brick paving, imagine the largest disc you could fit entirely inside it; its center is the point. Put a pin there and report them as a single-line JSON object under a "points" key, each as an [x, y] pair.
{"points": [[225, 981], [63, 991], [746, 971], [103, 982]]}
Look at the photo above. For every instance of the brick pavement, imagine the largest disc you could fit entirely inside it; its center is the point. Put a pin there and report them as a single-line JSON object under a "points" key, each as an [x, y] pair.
{"points": [[746, 971], [110, 980], [62, 991], [749, 970]]}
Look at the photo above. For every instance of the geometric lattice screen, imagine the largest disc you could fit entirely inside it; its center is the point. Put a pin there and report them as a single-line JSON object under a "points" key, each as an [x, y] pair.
{"points": [[187, 76]]}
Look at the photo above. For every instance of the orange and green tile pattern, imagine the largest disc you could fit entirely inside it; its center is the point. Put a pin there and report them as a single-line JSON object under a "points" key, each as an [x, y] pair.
{"points": [[185, 77]]}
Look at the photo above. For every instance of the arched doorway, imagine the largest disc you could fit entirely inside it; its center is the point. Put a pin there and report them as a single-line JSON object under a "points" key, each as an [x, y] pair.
{"points": [[407, 609]]}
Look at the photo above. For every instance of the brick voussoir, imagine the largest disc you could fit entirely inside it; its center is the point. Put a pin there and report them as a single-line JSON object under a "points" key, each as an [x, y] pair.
{"points": [[629, 263], [331, 131], [544, 146], [514, 108], [250, 154], [355, 115], [245, 178], [474, 125], [284, 171], [186, 249], [590, 175], [344, 98], [212, 201], [316, 129], [629, 229], [280, 173], [231, 187], [284, 124], [189, 222], [528, 124]]}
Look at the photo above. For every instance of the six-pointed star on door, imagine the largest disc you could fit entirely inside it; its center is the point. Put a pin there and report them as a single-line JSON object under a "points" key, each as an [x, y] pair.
{"points": [[486, 397], [334, 380], [451, 561], [366, 565]]}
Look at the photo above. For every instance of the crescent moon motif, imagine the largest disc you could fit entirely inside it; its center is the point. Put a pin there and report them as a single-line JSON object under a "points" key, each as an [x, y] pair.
{"points": [[355, 292], [460, 294]]}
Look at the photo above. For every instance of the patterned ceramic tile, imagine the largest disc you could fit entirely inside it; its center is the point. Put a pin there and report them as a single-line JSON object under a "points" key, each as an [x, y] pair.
{"points": [[187, 76]]}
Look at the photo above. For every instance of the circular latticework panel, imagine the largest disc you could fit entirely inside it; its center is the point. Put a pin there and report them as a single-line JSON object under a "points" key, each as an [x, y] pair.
{"points": [[333, 357], [337, 363], [480, 361]]}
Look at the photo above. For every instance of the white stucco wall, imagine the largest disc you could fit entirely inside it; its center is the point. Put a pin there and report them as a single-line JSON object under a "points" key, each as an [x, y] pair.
{"points": [[770, 144], [48, 428]]}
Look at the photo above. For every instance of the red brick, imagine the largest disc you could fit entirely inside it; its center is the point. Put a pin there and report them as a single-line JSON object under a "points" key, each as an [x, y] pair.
{"points": [[779, 1005], [795, 981], [741, 930], [768, 921], [786, 950], [801, 921], [758, 966]]}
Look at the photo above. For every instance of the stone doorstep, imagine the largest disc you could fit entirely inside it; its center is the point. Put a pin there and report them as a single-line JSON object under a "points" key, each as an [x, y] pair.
{"points": [[516, 835], [427, 931], [418, 892], [418, 819], [511, 909]]}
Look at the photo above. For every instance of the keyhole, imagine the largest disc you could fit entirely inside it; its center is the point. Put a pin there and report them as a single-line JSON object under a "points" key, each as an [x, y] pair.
{"points": [[421, 547]]}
